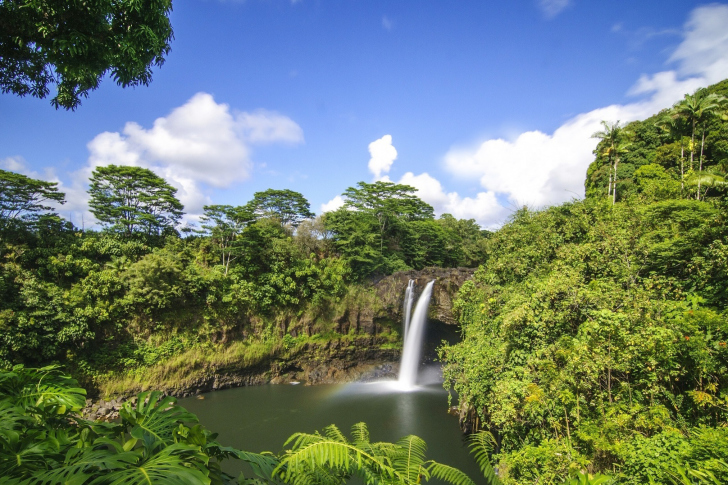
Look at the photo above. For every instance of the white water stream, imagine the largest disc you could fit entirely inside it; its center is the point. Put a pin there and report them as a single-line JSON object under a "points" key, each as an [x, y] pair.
{"points": [[409, 298], [414, 338]]}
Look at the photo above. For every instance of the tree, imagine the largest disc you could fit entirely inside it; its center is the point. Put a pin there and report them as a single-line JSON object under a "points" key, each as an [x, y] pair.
{"points": [[674, 127], [75, 44], [225, 223], [288, 206], [133, 200], [387, 202], [614, 145], [23, 198], [698, 108]]}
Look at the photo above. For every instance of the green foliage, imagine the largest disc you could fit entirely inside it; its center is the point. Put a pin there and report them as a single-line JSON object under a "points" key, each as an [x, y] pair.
{"points": [[23, 199], [288, 206], [74, 45], [42, 441], [384, 227], [332, 458], [132, 200], [591, 325], [690, 141]]}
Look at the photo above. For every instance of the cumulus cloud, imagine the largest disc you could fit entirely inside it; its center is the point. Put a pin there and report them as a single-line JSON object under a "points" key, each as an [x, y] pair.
{"points": [[484, 208], [551, 8], [383, 154], [537, 168], [704, 50], [333, 204], [199, 143]]}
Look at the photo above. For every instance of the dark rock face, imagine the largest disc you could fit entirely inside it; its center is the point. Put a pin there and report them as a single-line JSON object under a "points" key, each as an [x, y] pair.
{"points": [[390, 291], [383, 307]]}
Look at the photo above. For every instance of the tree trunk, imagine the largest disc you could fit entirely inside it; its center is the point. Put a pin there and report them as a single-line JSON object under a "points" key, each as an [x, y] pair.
{"points": [[692, 146], [682, 164], [614, 192], [702, 144]]}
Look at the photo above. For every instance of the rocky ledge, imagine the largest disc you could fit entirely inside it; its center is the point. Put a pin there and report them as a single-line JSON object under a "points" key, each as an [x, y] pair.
{"points": [[362, 359]]}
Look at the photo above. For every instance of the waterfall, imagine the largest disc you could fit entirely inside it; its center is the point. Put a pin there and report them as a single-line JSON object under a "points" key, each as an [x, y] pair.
{"points": [[414, 340], [409, 298]]}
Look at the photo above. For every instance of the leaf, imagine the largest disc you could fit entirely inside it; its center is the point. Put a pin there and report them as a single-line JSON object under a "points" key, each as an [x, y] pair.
{"points": [[481, 445], [170, 466], [449, 474], [155, 417]]}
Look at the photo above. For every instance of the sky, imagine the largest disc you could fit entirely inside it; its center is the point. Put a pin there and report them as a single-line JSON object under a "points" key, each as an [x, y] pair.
{"points": [[483, 106]]}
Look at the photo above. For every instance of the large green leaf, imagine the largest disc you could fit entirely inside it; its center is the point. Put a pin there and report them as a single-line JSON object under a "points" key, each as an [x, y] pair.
{"points": [[41, 388], [177, 464], [155, 417]]}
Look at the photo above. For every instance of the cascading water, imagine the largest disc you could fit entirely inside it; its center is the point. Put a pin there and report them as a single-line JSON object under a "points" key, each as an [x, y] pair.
{"points": [[415, 333], [409, 298]]}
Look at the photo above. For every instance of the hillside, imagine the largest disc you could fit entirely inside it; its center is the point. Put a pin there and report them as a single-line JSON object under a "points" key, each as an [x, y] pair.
{"points": [[594, 335]]}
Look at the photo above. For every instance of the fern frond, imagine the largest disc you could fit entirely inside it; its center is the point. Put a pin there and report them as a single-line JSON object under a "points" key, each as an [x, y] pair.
{"points": [[449, 474], [481, 445]]}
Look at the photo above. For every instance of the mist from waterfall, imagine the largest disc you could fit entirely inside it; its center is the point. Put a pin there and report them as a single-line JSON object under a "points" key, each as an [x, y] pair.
{"points": [[414, 339], [409, 298]]}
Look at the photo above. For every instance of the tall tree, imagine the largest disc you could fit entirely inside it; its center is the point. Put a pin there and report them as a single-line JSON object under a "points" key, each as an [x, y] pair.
{"points": [[675, 128], [287, 206], [387, 202], [697, 108], [613, 145], [75, 44], [133, 200], [225, 223], [24, 199]]}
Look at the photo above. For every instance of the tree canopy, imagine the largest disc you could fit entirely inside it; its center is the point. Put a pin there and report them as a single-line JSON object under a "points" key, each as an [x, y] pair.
{"points": [[225, 224], [24, 199], [75, 44], [133, 199], [288, 206]]}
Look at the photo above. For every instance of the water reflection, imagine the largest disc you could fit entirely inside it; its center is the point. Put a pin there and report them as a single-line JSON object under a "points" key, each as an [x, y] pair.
{"points": [[261, 418]]}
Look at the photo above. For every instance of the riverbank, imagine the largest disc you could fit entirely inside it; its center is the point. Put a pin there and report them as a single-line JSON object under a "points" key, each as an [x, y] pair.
{"points": [[310, 361]]}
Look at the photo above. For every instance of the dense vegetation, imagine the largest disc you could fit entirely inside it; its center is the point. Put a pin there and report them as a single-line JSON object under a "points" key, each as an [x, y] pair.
{"points": [[595, 333], [44, 441], [251, 280]]}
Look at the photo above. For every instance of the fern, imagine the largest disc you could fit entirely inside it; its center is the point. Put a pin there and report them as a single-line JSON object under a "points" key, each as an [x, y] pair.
{"points": [[449, 474], [481, 446]]}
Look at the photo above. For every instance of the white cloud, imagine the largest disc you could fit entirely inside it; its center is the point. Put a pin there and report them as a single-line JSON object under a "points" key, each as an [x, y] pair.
{"points": [[387, 23], [484, 208], [383, 154], [537, 168], [200, 142], [551, 8], [704, 51], [333, 204], [16, 164], [265, 126]]}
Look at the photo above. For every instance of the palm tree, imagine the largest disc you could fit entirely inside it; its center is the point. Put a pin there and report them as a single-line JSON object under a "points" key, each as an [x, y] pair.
{"points": [[697, 109], [612, 137]]}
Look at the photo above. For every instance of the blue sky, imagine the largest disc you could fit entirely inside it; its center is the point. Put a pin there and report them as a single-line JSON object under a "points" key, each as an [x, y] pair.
{"points": [[484, 106]]}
